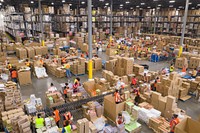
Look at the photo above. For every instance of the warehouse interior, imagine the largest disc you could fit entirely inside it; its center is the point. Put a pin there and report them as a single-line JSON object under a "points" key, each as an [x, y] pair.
{"points": [[99, 66]]}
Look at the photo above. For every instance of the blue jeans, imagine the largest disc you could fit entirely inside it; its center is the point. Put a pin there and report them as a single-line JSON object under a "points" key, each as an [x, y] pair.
{"points": [[68, 73], [14, 80]]}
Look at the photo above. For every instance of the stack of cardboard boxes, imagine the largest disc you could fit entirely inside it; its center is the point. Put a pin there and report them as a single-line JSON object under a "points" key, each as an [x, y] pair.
{"points": [[54, 99], [159, 125], [194, 62], [30, 52], [183, 90], [78, 67], [137, 69], [110, 51], [181, 62], [97, 64], [83, 126], [21, 53], [24, 77], [12, 121]]}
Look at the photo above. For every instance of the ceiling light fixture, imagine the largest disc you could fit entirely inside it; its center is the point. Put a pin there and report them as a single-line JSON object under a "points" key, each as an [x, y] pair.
{"points": [[107, 4], [137, 6], [52, 3], [32, 2], [171, 6], [121, 5], [70, 4], [190, 3], [172, 1], [131, 8], [198, 4], [155, 0], [141, 8], [127, 2], [159, 5], [83, 2], [180, 7], [142, 3], [63, 1], [158, 8], [0, 4], [192, 8]]}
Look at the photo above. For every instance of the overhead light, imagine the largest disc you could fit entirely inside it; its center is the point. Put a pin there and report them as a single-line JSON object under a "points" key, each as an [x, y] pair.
{"points": [[137, 6], [171, 6], [121, 5], [192, 8], [52, 3], [2, 0], [127, 2], [141, 8], [155, 0], [142, 3], [107, 4], [83, 2], [171, 1], [198, 4], [63, 1], [158, 8], [70, 4], [0, 4], [101, 0], [148, 7], [190, 3], [32, 2], [131, 8], [180, 7], [159, 5]]}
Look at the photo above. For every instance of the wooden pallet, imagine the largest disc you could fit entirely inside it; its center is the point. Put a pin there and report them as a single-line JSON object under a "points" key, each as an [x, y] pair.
{"points": [[185, 98]]}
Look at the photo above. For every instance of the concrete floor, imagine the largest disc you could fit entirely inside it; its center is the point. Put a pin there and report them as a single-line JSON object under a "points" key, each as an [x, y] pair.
{"points": [[39, 87]]}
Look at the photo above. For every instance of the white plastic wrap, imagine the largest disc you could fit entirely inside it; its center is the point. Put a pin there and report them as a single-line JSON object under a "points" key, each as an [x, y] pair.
{"points": [[40, 72], [145, 115], [48, 122], [127, 118], [32, 99], [30, 108], [4, 77], [99, 124]]}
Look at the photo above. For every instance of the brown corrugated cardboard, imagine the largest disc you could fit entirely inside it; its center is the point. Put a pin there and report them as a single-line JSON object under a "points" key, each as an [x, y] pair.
{"points": [[111, 109]]}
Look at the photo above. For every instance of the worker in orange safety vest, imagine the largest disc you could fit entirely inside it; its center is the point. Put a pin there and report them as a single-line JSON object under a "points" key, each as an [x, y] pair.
{"points": [[117, 97], [68, 116], [175, 120], [56, 115]]}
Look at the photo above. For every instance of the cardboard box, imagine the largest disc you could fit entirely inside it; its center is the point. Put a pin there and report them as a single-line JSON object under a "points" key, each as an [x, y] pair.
{"points": [[111, 109], [24, 77], [187, 126]]}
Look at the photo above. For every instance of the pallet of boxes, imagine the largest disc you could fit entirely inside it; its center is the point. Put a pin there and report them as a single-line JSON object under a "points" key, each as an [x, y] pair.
{"points": [[181, 62], [78, 67], [16, 121], [54, 99]]}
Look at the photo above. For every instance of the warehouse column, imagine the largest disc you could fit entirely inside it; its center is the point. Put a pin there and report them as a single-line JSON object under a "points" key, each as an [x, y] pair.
{"points": [[183, 30], [111, 24], [90, 39], [41, 23]]}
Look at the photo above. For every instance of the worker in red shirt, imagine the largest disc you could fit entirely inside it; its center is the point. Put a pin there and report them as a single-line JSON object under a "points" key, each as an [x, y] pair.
{"points": [[133, 81], [119, 119], [117, 97], [174, 122], [14, 75], [56, 115], [75, 87]]}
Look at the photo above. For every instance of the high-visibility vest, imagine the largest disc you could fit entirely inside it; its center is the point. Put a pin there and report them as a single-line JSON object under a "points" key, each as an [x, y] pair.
{"points": [[65, 91], [184, 69], [63, 59], [57, 115], [68, 129], [9, 66], [174, 121], [171, 69], [27, 64], [117, 97], [68, 116], [39, 123], [67, 66], [14, 74], [41, 62]]}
